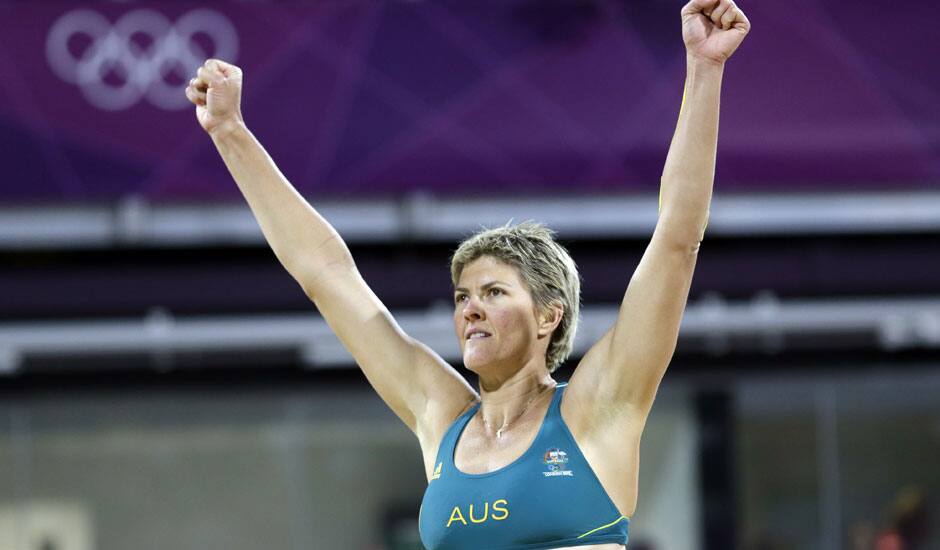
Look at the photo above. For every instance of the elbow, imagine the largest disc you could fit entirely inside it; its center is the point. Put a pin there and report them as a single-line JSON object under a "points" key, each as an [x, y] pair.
{"points": [[683, 239], [683, 231], [312, 266], [314, 276]]}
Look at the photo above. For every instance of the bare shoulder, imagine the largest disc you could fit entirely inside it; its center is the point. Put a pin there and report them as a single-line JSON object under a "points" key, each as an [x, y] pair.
{"points": [[591, 408], [442, 409], [608, 435], [589, 403], [442, 413]]}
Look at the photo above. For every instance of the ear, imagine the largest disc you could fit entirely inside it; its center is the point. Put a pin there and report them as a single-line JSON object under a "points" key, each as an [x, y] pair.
{"points": [[550, 319]]}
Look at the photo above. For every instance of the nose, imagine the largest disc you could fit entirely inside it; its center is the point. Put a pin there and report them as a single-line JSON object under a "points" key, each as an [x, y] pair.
{"points": [[472, 309]]}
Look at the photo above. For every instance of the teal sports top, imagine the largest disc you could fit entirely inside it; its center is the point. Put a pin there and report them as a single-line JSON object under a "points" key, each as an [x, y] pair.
{"points": [[547, 498]]}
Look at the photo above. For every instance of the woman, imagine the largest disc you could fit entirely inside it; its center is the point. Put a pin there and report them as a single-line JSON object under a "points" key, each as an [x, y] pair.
{"points": [[526, 463]]}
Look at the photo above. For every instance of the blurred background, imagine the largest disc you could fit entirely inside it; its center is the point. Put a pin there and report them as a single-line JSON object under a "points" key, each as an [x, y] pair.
{"points": [[164, 383]]}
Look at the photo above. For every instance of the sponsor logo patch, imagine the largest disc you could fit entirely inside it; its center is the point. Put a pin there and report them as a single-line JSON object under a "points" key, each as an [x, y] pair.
{"points": [[556, 462]]}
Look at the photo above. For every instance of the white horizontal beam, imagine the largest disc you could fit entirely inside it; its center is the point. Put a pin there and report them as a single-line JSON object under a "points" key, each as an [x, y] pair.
{"points": [[890, 323], [426, 218]]}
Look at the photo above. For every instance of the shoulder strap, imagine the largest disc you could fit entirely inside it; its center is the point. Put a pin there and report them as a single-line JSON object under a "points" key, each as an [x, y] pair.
{"points": [[449, 440], [556, 398]]}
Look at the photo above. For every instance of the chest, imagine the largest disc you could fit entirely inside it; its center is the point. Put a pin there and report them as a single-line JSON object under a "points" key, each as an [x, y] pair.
{"points": [[611, 454], [477, 452], [547, 499], [531, 485]]}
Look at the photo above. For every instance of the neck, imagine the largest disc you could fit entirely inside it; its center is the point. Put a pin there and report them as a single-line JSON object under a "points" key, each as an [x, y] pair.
{"points": [[503, 404]]}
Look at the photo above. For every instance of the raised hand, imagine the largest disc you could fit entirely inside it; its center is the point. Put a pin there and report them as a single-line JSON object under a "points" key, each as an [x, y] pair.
{"points": [[216, 92], [713, 29]]}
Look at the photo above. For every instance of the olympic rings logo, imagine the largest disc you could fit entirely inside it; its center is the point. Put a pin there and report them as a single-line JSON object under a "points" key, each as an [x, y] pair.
{"points": [[142, 55]]}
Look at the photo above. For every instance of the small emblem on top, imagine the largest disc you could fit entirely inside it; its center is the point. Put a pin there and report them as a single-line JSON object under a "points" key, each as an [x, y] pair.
{"points": [[556, 462]]}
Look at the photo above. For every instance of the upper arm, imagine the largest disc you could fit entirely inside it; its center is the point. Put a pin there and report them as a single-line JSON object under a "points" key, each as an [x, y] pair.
{"points": [[414, 381], [626, 366]]}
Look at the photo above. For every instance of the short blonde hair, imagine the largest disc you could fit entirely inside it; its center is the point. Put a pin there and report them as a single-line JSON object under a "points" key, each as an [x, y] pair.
{"points": [[544, 265]]}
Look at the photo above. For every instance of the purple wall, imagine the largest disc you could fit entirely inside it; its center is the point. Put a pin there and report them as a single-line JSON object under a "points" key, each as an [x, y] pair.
{"points": [[366, 99]]}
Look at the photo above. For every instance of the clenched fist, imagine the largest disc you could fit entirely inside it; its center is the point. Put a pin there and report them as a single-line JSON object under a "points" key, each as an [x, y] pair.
{"points": [[713, 29], [216, 91]]}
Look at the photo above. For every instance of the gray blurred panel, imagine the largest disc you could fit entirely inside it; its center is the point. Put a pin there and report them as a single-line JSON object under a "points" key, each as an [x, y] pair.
{"points": [[711, 325], [428, 219]]}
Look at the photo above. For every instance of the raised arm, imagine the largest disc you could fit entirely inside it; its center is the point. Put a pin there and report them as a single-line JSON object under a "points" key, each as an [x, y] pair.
{"points": [[626, 366], [411, 378]]}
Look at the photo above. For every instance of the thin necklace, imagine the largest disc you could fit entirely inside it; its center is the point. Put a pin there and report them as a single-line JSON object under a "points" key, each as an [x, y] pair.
{"points": [[499, 432]]}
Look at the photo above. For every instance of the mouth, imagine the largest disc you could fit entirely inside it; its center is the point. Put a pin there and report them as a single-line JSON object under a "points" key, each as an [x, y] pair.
{"points": [[478, 335]]}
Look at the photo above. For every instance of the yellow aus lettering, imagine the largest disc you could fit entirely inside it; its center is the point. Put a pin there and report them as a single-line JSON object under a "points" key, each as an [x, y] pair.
{"points": [[500, 512], [486, 513], [503, 509], [456, 515]]}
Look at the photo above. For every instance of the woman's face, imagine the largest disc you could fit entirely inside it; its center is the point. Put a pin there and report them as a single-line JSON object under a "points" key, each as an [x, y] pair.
{"points": [[492, 298]]}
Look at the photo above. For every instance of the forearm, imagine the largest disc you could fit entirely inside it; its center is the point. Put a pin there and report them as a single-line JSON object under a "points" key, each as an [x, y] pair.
{"points": [[686, 186], [304, 242]]}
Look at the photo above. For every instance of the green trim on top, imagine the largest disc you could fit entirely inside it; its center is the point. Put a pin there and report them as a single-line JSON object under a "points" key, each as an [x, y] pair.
{"points": [[604, 526]]}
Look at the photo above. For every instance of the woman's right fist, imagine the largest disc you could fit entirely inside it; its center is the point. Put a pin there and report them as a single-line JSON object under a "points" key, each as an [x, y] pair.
{"points": [[216, 91]]}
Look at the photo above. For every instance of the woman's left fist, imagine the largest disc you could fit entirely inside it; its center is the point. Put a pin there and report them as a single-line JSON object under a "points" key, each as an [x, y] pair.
{"points": [[713, 29]]}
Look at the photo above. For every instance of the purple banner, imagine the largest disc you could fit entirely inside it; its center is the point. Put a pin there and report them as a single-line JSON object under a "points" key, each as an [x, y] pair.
{"points": [[460, 98]]}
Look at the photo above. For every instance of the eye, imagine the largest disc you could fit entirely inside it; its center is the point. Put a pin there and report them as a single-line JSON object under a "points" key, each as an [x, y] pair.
{"points": [[459, 298], [494, 289]]}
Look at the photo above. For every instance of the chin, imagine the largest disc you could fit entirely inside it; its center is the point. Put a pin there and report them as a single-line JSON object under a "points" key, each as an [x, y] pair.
{"points": [[474, 365], [481, 367], [471, 366]]}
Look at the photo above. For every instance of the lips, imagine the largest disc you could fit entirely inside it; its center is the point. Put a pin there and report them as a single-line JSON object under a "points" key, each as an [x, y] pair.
{"points": [[472, 334]]}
